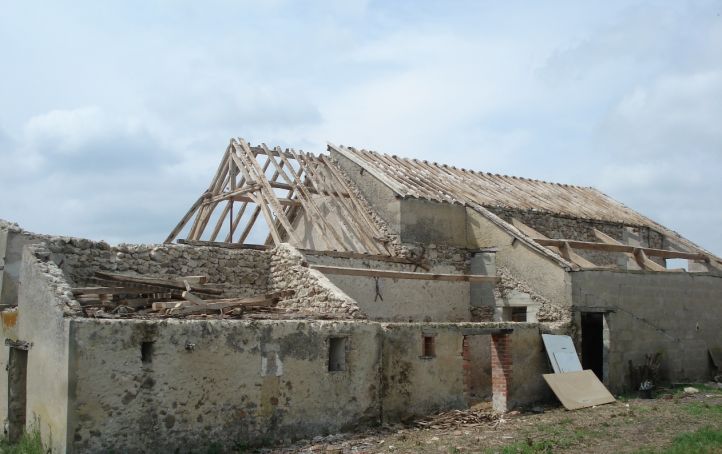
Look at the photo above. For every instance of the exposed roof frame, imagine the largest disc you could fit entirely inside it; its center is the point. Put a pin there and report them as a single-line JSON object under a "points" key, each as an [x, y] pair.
{"points": [[315, 188]]}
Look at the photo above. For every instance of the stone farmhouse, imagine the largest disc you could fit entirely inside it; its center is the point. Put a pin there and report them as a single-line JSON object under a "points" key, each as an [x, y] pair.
{"points": [[308, 294]]}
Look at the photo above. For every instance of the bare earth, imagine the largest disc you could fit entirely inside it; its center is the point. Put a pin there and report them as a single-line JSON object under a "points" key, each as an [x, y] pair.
{"points": [[628, 425]]}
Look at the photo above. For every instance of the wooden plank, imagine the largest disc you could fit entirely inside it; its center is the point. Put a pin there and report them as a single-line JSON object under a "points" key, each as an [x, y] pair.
{"points": [[475, 278], [193, 299], [165, 283], [261, 300], [112, 290]]}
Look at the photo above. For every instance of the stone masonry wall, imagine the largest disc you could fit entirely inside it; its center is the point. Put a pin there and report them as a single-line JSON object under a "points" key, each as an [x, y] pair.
{"points": [[308, 290], [239, 272], [556, 226]]}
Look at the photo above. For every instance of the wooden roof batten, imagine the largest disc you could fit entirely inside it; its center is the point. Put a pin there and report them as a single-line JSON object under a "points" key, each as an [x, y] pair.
{"points": [[315, 188]]}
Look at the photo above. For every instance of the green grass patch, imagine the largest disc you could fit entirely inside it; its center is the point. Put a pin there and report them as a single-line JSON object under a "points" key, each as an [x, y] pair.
{"points": [[703, 441], [704, 409], [30, 443]]}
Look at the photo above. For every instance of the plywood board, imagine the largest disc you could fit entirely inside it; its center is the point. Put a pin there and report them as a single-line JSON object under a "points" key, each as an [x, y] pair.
{"points": [[561, 344], [577, 390]]}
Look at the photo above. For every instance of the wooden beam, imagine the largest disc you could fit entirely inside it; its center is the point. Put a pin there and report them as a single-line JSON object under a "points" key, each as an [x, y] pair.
{"points": [[638, 254], [474, 278], [564, 250], [620, 248], [262, 300], [158, 282]]}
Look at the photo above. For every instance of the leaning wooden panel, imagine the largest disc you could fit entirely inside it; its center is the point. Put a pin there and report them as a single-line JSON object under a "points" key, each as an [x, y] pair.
{"points": [[577, 390]]}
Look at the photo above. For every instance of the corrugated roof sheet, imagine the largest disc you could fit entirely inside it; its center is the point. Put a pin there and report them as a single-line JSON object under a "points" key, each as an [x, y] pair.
{"points": [[440, 182]]}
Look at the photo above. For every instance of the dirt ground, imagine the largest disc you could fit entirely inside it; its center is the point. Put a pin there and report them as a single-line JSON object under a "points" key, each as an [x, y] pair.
{"points": [[628, 425]]}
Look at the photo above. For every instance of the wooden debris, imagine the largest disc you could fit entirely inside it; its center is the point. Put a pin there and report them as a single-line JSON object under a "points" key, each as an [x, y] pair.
{"points": [[165, 283], [188, 296]]}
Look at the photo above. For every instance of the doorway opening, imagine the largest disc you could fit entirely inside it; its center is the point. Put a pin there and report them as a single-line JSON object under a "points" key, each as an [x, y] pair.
{"points": [[17, 393], [476, 352], [593, 343]]}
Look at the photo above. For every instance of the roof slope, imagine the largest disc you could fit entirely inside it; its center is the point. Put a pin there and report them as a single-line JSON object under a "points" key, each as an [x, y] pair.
{"points": [[483, 191], [440, 182]]}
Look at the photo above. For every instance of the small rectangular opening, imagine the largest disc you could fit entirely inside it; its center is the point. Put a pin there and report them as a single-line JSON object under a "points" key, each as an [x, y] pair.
{"points": [[518, 314], [336, 354], [428, 349], [146, 352]]}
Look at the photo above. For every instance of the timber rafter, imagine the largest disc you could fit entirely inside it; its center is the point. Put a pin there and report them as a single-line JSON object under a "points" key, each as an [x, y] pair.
{"points": [[281, 187]]}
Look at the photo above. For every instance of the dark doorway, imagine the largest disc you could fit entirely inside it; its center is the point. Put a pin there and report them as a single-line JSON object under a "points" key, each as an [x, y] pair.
{"points": [[17, 396], [593, 343]]}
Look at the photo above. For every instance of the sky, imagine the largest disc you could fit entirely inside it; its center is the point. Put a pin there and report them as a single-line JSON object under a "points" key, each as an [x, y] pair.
{"points": [[114, 115]]}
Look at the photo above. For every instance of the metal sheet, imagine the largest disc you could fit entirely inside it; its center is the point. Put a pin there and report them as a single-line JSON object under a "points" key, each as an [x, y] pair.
{"points": [[561, 344], [578, 389], [567, 362]]}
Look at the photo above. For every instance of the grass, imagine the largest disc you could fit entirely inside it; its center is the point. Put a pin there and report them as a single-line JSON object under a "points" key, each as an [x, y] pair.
{"points": [[704, 409], [703, 441], [29, 444]]}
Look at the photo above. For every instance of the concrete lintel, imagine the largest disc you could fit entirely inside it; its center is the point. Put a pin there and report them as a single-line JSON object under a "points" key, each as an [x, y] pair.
{"points": [[480, 331]]}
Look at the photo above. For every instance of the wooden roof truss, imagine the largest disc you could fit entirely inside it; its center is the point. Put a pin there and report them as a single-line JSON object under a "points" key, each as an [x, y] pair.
{"points": [[279, 186]]}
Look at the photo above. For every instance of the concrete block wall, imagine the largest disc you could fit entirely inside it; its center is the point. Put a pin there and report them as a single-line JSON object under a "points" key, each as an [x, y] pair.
{"points": [[676, 314]]}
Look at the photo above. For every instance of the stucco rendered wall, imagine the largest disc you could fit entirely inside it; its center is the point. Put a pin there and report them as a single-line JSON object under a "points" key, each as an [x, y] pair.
{"points": [[42, 301], [234, 383], [401, 299], [12, 241], [677, 314], [381, 197], [416, 385], [545, 276], [424, 221]]}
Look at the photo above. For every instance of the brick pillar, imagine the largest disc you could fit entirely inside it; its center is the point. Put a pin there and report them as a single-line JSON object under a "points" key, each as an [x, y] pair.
{"points": [[500, 370], [466, 357]]}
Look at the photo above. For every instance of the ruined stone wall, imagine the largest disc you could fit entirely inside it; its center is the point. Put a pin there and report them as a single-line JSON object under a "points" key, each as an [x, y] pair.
{"points": [[558, 226], [307, 290], [239, 272]]}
